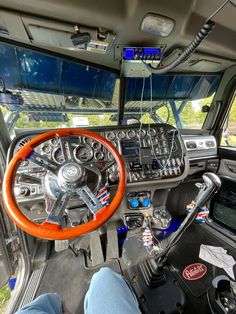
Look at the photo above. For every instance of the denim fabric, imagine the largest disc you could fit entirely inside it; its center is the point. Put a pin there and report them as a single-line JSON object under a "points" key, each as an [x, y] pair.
{"points": [[49, 303], [108, 293]]}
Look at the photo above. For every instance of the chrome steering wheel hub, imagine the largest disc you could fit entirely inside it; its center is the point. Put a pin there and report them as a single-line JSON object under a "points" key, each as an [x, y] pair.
{"points": [[70, 174]]}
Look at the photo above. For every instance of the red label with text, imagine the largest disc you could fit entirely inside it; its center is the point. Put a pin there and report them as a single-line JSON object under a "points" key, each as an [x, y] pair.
{"points": [[194, 271]]}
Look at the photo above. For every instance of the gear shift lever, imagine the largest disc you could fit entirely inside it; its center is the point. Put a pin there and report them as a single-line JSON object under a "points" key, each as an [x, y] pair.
{"points": [[210, 186], [152, 269]]}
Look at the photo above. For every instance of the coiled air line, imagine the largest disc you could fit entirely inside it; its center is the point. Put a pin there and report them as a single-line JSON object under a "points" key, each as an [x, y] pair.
{"points": [[201, 35]]}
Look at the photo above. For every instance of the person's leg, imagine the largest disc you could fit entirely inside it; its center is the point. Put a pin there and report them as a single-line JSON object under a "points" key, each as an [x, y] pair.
{"points": [[109, 293], [49, 303]]}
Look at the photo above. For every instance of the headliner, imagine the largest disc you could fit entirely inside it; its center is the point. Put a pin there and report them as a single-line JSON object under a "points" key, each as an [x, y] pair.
{"points": [[123, 18]]}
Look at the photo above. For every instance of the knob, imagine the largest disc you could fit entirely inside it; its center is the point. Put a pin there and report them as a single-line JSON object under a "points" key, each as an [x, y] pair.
{"points": [[134, 203], [146, 202], [21, 191], [113, 177]]}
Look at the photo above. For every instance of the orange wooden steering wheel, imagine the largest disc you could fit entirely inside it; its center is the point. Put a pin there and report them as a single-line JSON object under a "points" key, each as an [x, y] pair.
{"points": [[51, 229]]}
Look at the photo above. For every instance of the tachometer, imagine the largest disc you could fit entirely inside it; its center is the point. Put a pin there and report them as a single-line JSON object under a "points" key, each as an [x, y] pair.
{"points": [[83, 153]]}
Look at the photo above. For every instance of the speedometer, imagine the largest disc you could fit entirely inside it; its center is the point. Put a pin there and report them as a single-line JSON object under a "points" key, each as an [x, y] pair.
{"points": [[83, 153]]}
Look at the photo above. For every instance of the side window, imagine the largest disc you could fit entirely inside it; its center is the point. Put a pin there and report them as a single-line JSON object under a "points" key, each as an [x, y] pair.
{"points": [[229, 134]]}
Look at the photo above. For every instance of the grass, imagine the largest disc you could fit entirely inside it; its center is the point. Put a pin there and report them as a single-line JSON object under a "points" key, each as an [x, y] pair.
{"points": [[231, 140], [4, 297]]}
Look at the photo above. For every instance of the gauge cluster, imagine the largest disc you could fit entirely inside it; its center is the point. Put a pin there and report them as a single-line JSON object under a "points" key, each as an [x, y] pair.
{"points": [[84, 150]]}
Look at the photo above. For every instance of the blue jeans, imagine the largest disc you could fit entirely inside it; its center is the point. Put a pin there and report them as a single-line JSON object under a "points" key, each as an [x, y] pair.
{"points": [[108, 293]]}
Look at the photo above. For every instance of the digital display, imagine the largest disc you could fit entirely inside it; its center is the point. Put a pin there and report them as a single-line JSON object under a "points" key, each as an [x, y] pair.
{"points": [[130, 148], [151, 50], [140, 53]]}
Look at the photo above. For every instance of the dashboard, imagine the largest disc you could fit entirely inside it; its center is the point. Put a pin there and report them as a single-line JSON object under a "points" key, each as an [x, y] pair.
{"points": [[149, 153], [155, 157]]}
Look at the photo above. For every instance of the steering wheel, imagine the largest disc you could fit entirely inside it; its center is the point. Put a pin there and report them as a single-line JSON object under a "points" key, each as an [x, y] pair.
{"points": [[70, 177]]}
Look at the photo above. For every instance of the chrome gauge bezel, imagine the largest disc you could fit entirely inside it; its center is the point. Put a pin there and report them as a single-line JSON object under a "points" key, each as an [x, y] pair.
{"points": [[54, 154], [131, 134], [111, 136], [121, 135], [101, 157], [44, 146], [89, 157], [96, 146]]}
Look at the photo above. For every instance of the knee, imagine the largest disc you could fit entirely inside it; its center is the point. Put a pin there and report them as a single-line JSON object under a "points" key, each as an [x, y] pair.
{"points": [[106, 271], [104, 274]]}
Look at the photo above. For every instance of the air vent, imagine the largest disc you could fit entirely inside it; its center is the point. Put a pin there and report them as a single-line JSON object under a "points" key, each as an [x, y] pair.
{"points": [[22, 143], [191, 145], [210, 144], [200, 143]]}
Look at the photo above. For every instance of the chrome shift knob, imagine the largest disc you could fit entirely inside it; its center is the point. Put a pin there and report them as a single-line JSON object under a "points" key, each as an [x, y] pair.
{"points": [[211, 185]]}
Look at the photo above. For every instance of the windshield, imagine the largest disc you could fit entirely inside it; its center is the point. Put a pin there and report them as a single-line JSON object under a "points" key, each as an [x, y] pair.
{"points": [[42, 91], [180, 100]]}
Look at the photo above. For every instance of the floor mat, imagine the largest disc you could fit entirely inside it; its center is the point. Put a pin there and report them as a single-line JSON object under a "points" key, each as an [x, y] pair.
{"points": [[186, 252], [67, 275]]}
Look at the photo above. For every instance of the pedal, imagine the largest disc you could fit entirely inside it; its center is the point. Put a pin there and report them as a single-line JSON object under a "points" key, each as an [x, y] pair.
{"points": [[61, 245], [96, 249], [112, 242]]}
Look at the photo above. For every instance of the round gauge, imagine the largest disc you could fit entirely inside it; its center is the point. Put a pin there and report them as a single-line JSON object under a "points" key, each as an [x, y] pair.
{"points": [[141, 133], [57, 156], [111, 136], [54, 141], [83, 153], [153, 142], [99, 155], [121, 135], [110, 156], [96, 145], [131, 134], [46, 149], [152, 132], [24, 163]]}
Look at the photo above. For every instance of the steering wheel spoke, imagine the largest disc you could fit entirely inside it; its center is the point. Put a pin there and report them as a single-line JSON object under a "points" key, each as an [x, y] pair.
{"points": [[58, 209], [44, 161], [89, 199], [66, 148], [109, 165]]}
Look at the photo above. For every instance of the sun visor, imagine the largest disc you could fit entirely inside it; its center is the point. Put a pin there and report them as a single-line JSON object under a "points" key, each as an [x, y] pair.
{"points": [[30, 70], [172, 86], [68, 36]]}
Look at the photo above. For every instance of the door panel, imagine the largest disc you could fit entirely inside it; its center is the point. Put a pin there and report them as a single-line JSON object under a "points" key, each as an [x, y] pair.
{"points": [[6, 228], [223, 204], [227, 168], [5, 263]]}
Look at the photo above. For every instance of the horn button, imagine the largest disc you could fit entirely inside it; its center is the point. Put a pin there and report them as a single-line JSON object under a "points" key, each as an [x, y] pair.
{"points": [[71, 175]]}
